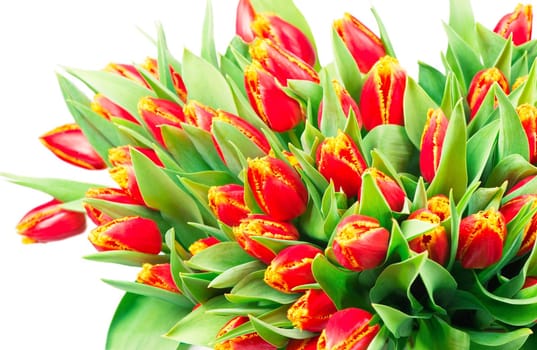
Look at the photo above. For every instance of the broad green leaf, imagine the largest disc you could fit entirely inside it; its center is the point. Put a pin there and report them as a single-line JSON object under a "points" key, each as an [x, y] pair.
{"points": [[438, 332], [416, 103], [452, 94], [182, 149], [461, 20], [512, 169], [512, 137], [233, 275], [253, 288], [529, 91], [373, 203], [347, 68], [163, 62], [158, 87], [439, 284], [399, 323], [233, 73], [177, 265], [204, 144], [486, 113], [197, 285], [153, 292], [432, 81], [512, 340], [128, 258], [490, 44], [485, 197], [275, 335], [219, 257], [504, 60], [480, 147], [333, 118], [208, 48]]}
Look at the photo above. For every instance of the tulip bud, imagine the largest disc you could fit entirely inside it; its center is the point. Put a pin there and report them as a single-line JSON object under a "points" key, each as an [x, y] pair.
{"points": [[49, 222], [108, 109], [291, 267], [528, 117], [244, 341], [360, 243], [345, 101], [124, 176], [132, 233], [311, 311], [481, 237], [285, 34], [339, 160], [202, 244], [262, 226], [68, 143], [151, 65], [281, 63], [277, 188], [435, 241], [277, 109], [392, 192], [114, 195], [121, 155], [127, 71], [245, 15], [517, 24], [510, 209], [227, 203], [365, 47], [439, 205], [381, 101], [432, 140], [348, 329], [199, 115], [157, 112], [247, 129], [480, 85], [159, 275], [302, 344]]}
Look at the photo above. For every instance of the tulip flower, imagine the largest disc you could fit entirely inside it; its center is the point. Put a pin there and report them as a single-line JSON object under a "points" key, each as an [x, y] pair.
{"points": [[68, 143], [510, 209], [348, 329], [311, 311], [244, 17], [132, 233], [151, 65], [302, 344], [481, 237], [519, 81], [198, 114], [365, 47], [291, 267], [339, 160], [527, 114], [345, 101], [227, 203], [520, 183], [360, 243], [158, 275], [281, 63], [201, 244], [432, 140], [247, 129], [517, 24], [392, 192], [480, 85], [114, 195], [157, 112], [121, 155], [277, 188], [285, 34], [439, 205], [127, 71], [244, 341], [108, 109], [49, 222], [435, 241], [381, 101], [256, 225], [267, 97], [124, 176]]}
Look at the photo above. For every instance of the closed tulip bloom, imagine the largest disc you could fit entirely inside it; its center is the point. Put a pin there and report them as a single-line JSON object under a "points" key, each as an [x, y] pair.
{"points": [[432, 140], [311, 311], [49, 222], [348, 329], [285, 34], [439, 205], [198, 114], [132, 233], [244, 17], [108, 109], [360, 243], [302, 344], [247, 129], [109, 194], [158, 275], [125, 177], [227, 203], [151, 65], [510, 211], [480, 85], [277, 188], [202, 244], [481, 237], [392, 192], [262, 226], [435, 241], [339, 160], [267, 97], [365, 46], [241, 342], [69, 143], [381, 101], [517, 24], [527, 114], [127, 71], [157, 112], [291, 267], [346, 102], [121, 155]]}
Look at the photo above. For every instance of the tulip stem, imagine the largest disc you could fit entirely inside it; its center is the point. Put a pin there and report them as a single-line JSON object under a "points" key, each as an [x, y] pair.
{"points": [[293, 138]]}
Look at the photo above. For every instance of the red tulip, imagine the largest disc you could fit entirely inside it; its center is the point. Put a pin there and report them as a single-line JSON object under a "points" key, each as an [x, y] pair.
{"points": [[227, 203], [528, 117], [68, 143], [392, 192], [435, 241], [202, 244], [151, 65], [241, 342], [439, 205], [159, 275], [360, 243], [49, 222], [245, 15], [345, 101], [247, 129], [302, 344], [108, 109], [157, 112], [481, 237], [114, 195], [277, 188], [348, 329], [529, 282], [127, 233], [127, 71], [121, 155], [365, 47], [432, 140], [124, 176], [198, 114], [480, 85], [510, 209], [311, 311], [520, 183], [517, 24], [381, 101]]}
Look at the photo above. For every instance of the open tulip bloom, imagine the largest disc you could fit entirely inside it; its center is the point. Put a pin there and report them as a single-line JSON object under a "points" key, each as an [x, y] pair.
{"points": [[270, 202]]}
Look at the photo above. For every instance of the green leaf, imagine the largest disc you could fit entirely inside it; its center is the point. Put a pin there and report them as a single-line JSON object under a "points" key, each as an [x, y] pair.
{"points": [[233, 275], [204, 144], [182, 149], [333, 118], [480, 148], [253, 288], [128, 258], [208, 49], [512, 169], [499, 340], [163, 64], [219, 257], [461, 20], [347, 68], [196, 284], [452, 94], [441, 334], [150, 291], [140, 322], [275, 335], [529, 91], [399, 323], [490, 44], [383, 34], [439, 284], [373, 203], [432, 81], [416, 103], [512, 137]]}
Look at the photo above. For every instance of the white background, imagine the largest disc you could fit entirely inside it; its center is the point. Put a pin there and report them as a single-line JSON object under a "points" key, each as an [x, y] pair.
{"points": [[51, 298]]}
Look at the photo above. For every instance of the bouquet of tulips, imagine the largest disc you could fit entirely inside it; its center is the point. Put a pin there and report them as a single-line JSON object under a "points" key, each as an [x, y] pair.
{"points": [[274, 203]]}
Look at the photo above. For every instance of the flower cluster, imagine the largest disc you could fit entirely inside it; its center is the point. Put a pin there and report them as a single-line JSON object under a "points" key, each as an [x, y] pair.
{"points": [[277, 204]]}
